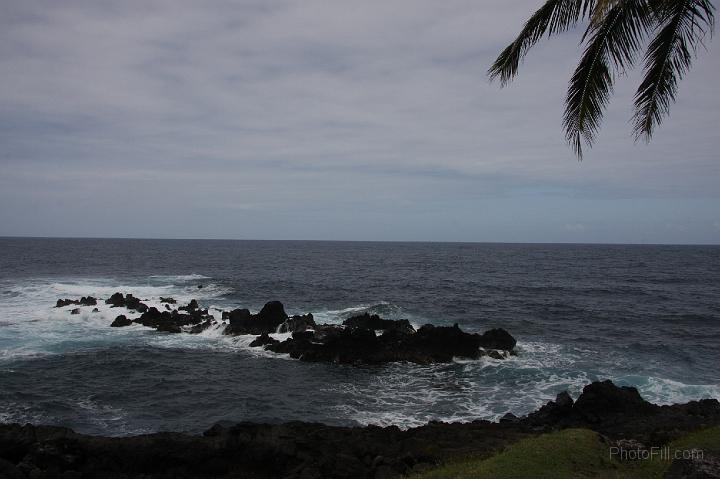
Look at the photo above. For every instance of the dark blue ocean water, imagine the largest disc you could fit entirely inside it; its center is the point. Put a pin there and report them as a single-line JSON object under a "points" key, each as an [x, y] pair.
{"points": [[648, 316]]}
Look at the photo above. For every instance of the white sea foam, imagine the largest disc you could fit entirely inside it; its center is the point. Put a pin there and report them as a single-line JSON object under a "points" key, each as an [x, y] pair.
{"points": [[337, 316], [180, 277], [384, 309], [400, 394], [667, 391], [35, 327]]}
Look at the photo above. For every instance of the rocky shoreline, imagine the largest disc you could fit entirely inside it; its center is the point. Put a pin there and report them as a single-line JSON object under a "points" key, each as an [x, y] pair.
{"points": [[311, 450], [362, 339]]}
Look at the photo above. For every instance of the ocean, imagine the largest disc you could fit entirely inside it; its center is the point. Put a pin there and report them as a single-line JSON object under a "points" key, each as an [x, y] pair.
{"points": [[646, 316]]}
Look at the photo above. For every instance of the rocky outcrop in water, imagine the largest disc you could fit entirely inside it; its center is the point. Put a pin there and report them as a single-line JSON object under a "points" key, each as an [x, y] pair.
{"points": [[270, 317], [313, 451], [84, 301], [355, 341], [376, 323], [192, 319], [362, 345], [121, 321], [297, 323], [263, 340], [128, 301], [174, 321]]}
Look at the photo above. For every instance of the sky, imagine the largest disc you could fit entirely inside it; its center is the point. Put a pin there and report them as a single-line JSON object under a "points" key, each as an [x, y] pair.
{"points": [[337, 120]]}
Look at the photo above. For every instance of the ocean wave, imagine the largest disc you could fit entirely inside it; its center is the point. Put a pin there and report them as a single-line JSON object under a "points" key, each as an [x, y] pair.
{"points": [[35, 326], [667, 391], [384, 309], [178, 277]]}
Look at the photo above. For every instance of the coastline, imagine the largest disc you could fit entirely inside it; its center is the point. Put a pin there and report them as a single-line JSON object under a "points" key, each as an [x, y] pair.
{"points": [[313, 450]]}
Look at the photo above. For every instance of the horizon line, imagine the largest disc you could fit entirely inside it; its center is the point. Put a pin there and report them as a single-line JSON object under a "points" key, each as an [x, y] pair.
{"points": [[569, 243]]}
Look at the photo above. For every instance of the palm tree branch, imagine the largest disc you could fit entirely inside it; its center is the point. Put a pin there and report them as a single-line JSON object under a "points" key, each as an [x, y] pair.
{"points": [[668, 58], [553, 17], [612, 45]]}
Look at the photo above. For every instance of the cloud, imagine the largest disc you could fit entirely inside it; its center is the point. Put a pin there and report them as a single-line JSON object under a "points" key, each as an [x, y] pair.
{"points": [[298, 106], [575, 227]]}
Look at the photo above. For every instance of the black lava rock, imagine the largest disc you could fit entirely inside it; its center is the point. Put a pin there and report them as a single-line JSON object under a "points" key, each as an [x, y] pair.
{"points": [[121, 321]]}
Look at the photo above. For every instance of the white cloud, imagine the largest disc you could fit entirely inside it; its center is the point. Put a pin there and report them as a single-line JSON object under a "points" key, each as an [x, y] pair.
{"points": [[300, 104], [575, 227]]}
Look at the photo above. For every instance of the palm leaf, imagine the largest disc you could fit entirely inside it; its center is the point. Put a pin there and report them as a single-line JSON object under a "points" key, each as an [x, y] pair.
{"points": [[602, 7], [668, 58], [553, 17], [612, 46]]}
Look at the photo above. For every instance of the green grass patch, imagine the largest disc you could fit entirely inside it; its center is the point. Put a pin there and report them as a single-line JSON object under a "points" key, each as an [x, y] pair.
{"points": [[571, 453], [707, 439]]}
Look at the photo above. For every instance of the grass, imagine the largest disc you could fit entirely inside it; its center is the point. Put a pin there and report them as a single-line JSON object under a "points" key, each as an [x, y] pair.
{"points": [[572, 453]]}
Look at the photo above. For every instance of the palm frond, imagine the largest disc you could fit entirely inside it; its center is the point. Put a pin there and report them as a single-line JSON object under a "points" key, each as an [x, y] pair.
{"points": [[602, 7], [612, 46], [668, 58], [553, 17]]}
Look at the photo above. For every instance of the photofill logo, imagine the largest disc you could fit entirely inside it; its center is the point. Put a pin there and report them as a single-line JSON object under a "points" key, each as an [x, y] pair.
{"points": [[666, 453]]}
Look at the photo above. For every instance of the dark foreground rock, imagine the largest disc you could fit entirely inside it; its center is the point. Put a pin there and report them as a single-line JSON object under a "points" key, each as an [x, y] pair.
{"points": [[620, 412], [696, 468], [308, 450], [398, 342]]}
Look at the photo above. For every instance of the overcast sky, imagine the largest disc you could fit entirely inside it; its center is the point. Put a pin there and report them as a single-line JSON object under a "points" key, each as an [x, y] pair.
{"points": [[368, 120]]}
